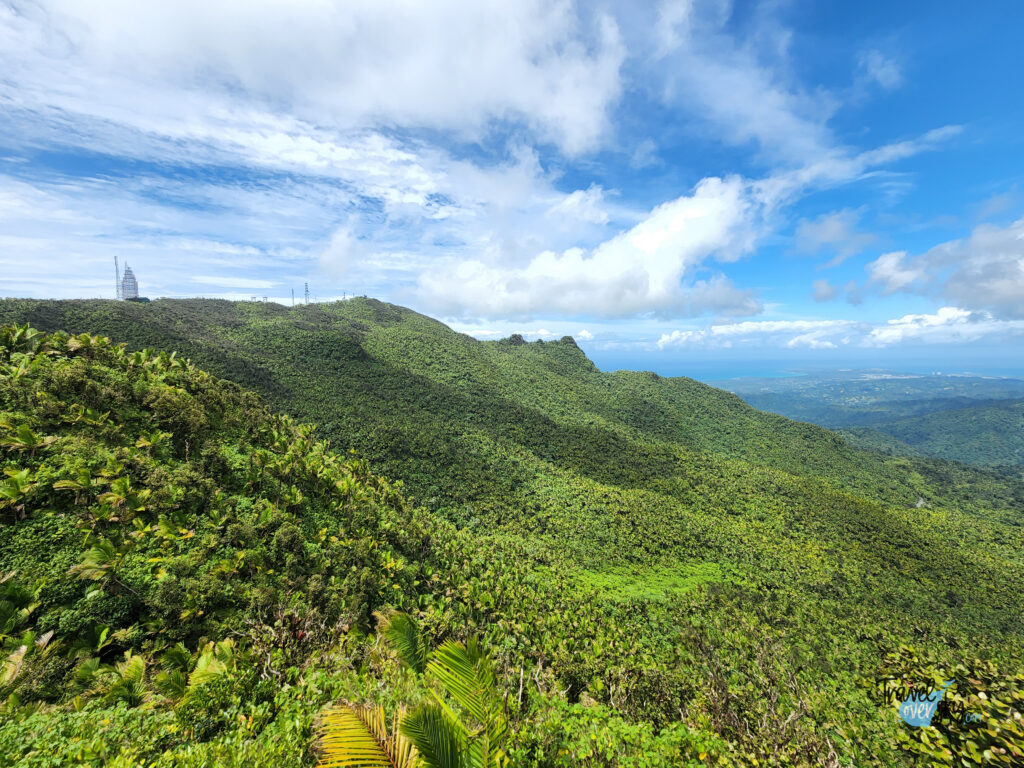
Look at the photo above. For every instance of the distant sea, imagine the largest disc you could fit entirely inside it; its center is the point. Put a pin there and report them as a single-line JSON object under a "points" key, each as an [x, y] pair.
{"points": [[721, 370]]}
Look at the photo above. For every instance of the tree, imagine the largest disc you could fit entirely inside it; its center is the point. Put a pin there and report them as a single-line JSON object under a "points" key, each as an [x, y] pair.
{"points": [[102, 563]]}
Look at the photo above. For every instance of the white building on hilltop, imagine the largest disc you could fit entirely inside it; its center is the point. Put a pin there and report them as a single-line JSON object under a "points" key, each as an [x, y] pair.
{"points": [[129, 285]]}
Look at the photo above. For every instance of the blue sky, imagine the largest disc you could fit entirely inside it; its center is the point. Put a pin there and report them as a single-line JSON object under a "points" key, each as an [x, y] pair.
{"points": [[696, 187]]}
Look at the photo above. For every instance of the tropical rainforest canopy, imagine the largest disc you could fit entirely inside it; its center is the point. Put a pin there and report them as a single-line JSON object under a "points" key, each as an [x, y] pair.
{"points": [[634, 570]]}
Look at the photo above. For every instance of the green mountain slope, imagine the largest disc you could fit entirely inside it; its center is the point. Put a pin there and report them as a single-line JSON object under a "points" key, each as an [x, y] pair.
{"points": [[641, 551], [148, 510], [986, 435], [417, 399], [974, 420]]}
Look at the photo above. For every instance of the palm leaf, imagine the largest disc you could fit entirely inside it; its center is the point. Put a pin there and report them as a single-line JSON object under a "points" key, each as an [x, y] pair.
{"points": [[466, 674], [173, 684], [358, 737], [403, 635], [440, 741]]}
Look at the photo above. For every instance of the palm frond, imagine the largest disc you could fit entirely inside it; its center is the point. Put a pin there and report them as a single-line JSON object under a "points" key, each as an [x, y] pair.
{"points": [[403, 635], [173, 684], [440, 741], [127, 682], [177, 657], [359, 737], [466, 674]]}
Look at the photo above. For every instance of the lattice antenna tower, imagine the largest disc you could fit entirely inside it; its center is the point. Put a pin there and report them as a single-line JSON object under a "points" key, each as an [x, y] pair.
{"points": [[307, 293]]}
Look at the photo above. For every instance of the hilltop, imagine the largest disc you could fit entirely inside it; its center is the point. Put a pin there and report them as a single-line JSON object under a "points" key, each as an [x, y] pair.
{"points": [[622, 537], [417, 398]]}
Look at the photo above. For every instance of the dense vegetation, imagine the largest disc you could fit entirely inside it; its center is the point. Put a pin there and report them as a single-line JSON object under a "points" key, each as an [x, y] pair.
{"points": [[975, 420], [661, 574], [987, 435]]}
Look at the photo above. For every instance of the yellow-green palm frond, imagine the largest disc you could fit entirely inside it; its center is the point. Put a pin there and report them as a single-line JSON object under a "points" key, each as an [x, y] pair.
{"points": [[359, 737]]}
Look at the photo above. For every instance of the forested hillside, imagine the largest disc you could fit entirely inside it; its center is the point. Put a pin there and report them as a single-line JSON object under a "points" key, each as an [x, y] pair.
{"points": [[985, 435], [662, 574], [975, 420]]}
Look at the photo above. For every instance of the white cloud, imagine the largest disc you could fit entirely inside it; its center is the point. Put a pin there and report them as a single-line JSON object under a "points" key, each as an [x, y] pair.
{"points": [[984, 271], [835, 231], [653, 267], [315, 110], [584, 334], [228, 281], [987, 269], [740, 85], [583, 205], [948, 325], [881, 69], [814, 340], [641, 270], [893, 272], [342, 249], [811, 333], [824, 290], [841, 166], [645, 155], [450, 65]]}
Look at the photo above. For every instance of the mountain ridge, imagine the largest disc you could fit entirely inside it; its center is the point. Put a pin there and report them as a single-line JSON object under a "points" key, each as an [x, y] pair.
{"points": [[628, 535]]}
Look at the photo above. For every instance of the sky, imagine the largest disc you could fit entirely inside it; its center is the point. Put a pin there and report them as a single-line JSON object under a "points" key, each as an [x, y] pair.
{"points": [[691, 187]]}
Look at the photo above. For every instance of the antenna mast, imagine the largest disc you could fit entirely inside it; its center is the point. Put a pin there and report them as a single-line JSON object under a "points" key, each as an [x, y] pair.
{"points": [[307, 293], [117, 278]]}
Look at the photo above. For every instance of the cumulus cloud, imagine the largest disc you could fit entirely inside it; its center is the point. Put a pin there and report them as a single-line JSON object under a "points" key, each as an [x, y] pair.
{"points": [[649, 268], [987, 269], [880, 69], [836, 232], [583, 205], [947, 325], [984, 271], [654, 267], [342, 249], [791, 333], [824, 290], [584, 335], [894, 272], [322, 120], [814, 340]]}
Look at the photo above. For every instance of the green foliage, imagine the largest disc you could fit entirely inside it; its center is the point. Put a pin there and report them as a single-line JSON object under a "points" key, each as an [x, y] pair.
{"points": [[403, 635], [359, 737], [437, 738], [468, 716], [570, 735], [661, 571], [976, 420], [464, 726], [979, 721]]}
